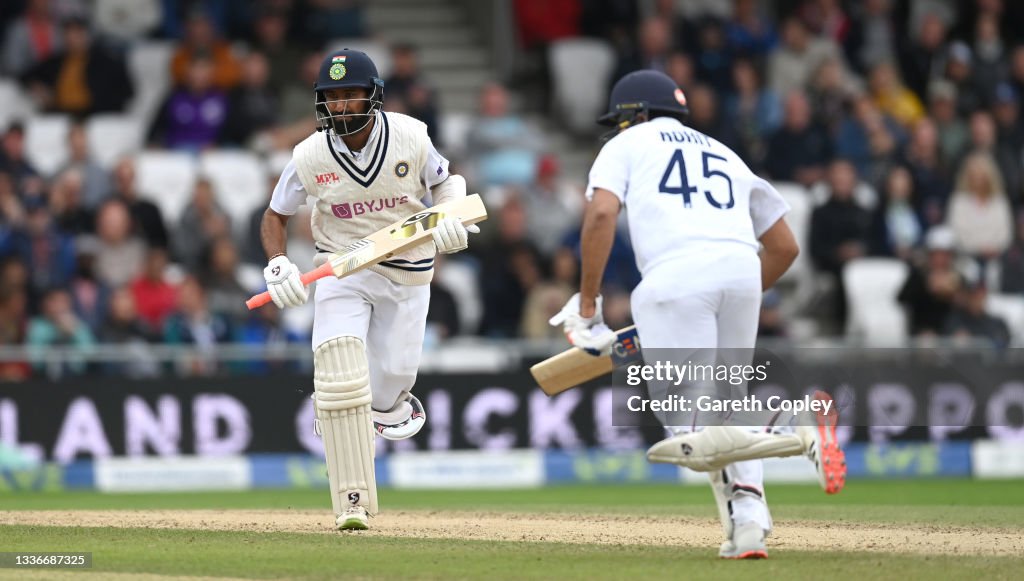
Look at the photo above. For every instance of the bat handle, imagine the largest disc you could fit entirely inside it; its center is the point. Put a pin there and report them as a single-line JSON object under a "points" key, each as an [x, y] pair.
{"points": [[322, 271]]}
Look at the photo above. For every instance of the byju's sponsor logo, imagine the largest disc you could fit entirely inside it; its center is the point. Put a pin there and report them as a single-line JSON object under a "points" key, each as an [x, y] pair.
{"points": [[349, 210]]}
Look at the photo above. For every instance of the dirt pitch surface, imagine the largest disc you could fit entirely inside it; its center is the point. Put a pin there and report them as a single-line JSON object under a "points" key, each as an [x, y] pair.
{"points": [[558, 528]]}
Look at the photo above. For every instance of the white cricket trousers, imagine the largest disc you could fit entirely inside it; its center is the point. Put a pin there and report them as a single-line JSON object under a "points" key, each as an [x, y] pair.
{"points": [[390, 318], [714, 303]]}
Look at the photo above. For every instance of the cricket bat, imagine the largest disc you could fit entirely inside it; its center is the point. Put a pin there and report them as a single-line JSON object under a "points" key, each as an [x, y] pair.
{"points": [[575, 366], [385, 243]]}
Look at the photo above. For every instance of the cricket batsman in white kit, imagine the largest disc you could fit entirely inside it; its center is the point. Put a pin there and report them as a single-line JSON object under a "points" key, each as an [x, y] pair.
{"points": [[366, 169], [697, 216]]}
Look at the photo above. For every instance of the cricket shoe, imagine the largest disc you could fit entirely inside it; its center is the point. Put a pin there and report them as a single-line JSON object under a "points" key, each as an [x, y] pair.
{"points": [[353, 519], [402, 421], [823, 448], [747, 542]]}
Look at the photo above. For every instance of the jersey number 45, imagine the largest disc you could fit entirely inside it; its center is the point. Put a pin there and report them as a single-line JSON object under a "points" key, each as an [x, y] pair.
{"points": [[685, 189]]}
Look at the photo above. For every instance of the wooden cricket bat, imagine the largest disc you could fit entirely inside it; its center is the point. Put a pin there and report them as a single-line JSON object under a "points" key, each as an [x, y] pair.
{"points": [[384, 244], [575, 366]]}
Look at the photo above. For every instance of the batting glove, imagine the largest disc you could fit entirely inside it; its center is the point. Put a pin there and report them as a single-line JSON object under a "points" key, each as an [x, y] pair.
{"points": [[587, 333], [451, 236], [283, 283]]}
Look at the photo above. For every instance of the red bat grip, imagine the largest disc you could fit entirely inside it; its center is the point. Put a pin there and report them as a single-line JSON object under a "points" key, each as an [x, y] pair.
{"points": [[322, 271]]}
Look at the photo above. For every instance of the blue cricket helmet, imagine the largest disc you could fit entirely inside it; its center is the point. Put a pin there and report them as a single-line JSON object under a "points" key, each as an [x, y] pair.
{"points": [[343, 69], [644, 91]]}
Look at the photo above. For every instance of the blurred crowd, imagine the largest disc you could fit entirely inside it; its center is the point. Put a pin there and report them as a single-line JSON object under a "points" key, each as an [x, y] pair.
{"points": [[899, 120]]}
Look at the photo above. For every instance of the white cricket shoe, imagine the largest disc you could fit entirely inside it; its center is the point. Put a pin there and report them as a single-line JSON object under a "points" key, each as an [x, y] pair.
{"points": [[747, 542], [353, 519], [402, 421]]}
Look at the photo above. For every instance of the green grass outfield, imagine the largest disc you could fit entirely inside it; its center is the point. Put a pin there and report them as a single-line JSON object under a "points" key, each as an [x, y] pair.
{"points": [[961, 503]]}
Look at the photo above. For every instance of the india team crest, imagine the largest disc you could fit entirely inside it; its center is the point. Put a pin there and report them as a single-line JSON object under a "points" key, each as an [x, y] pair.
{"points": [[337, 70], [402, 169]]}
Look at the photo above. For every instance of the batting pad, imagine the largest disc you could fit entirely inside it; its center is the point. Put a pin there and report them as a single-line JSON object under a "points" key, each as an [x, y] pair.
{"points": [[341, 378]]}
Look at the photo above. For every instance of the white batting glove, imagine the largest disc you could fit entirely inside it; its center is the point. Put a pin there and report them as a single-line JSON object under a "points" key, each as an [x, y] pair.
{"points": [[451, 236], [587, 333], [283, 283]]}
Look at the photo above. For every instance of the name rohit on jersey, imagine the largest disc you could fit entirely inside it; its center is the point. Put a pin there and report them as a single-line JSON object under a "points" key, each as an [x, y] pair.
{"points": [[350, 209], [685, 137]]}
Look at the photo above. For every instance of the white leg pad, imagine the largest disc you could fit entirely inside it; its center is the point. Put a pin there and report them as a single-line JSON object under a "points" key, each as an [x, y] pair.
{"points": [[715, 447], [341, 379]]}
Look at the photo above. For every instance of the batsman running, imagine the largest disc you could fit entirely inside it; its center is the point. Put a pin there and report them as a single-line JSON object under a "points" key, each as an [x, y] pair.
{"points": [[696, 215], [365, 169]]}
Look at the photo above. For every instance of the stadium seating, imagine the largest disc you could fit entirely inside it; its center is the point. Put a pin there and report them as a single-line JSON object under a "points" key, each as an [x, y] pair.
{"points": [[113, 136], [1010, 308], [455, 129], [167, 178], [875, 317], [14, 104], [46, 142], [149, 64], [239, 181], [581, 71]]}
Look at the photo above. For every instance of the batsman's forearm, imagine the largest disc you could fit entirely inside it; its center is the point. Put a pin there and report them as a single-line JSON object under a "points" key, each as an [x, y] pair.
{"points": [[274, 233], [596, 245]]}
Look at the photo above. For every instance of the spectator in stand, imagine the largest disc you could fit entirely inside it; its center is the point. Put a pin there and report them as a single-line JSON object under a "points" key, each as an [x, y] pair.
{"points": [[1013, 262], [224, 293], [124, 328], [872, 39], [959, 71], [147, 220], [82, 79], [31, 39], [826, 18], [547, 297], [705, 117], [931, 179], [951, 128], [866, 133], [155, 297], [203, 221], [654, 44], [750, 32], [538, 24], [95, 179], [58, 326], [13, 323], [505, 147], [88, 295], [39, 243], [969, 320], [65, 203], [714, 58], [252, 107], [1016, 72], [192, 323], [551, 205], [15, 163], [892, 97], [800, 149], [202, 44], [831, 91], [323, 20], [897, 227], [296, 122], [979, 212], [840, 231], [263, 328], [921, 59], [407, 89], [790, 67], [510, 266], [120, 254], [1006, 113], [753, 111], [983, 139], [990, 55], [270, 37], [931, 287], [679, 67], [193, 115]]}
